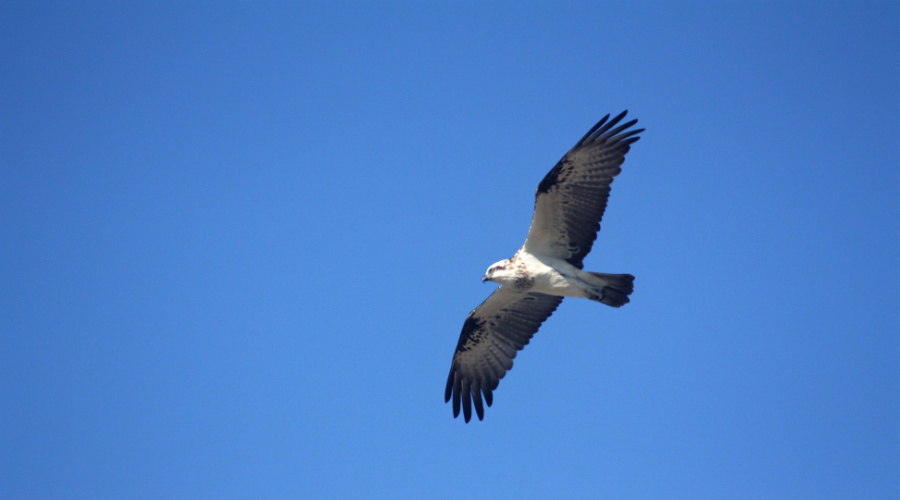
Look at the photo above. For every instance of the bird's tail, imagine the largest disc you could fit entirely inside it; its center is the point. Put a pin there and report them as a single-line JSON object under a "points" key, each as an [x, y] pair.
{"points": [[610, 289]]}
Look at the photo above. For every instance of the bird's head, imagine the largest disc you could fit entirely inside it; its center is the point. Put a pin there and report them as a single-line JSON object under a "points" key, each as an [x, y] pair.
{"points": [[497, 272]]}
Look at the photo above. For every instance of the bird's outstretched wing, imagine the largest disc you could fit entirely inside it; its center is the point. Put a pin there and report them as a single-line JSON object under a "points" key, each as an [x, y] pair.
{"points": [[571, 199], [491, 336]]}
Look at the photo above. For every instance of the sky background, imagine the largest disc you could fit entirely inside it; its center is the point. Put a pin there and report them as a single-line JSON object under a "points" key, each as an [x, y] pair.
{"points": [[238, 241]]}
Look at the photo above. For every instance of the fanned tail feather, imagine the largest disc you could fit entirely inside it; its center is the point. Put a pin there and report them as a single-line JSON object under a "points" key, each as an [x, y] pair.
{"points": [[610, 289]]}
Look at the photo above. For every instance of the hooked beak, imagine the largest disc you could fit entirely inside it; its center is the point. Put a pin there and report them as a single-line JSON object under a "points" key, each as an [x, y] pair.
{"points": [[485, 278]]}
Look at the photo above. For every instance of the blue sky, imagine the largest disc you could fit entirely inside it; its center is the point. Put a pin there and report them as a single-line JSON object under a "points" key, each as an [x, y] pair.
{"points": [[238, 241]]}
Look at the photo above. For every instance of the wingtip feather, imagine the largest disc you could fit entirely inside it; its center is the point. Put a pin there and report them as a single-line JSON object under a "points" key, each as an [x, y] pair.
{"points": [[479, 406], [448, 391], [592, 130], [467, 402], [456, 396]]}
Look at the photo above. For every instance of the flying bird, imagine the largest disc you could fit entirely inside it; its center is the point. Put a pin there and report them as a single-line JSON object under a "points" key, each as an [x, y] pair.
{"points": [[568, 205]]}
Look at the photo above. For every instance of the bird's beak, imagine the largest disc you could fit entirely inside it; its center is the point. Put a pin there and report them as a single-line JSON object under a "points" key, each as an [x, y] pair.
{"points": [[485, 278]]}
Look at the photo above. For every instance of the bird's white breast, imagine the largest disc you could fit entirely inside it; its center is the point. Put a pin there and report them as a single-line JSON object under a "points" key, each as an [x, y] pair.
{"points": [[552, 276]]}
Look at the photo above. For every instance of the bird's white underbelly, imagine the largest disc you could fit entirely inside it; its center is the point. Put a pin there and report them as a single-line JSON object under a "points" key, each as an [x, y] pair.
{"points": [[553, 276]]}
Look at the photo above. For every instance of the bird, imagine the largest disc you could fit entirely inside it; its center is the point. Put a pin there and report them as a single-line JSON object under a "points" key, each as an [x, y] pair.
{"points": [[568, 206]]}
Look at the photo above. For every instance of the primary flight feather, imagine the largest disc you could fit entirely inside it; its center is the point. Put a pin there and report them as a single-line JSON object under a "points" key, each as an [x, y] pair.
{"points": [[568, 205]]}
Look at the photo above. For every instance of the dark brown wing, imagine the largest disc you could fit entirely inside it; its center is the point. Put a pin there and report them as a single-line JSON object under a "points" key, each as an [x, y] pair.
{"points": [[491, 336], [571, 199]]}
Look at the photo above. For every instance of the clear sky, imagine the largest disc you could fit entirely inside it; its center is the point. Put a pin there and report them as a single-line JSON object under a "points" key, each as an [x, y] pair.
{"points": [[238, 241]]}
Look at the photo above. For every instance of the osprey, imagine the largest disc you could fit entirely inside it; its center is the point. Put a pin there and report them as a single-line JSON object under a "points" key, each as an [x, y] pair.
{"points": [[568, 205]]}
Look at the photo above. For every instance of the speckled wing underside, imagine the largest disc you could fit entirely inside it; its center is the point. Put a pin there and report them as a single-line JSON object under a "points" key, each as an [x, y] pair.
{"points": [[491, 336], [570, 200]]}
